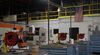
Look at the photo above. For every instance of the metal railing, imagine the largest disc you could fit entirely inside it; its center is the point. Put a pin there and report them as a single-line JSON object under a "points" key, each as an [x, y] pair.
{"points": [[67, 11]]}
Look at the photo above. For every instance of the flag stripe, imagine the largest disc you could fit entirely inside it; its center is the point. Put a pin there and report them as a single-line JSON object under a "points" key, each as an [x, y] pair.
{"points": [[79, 15]]}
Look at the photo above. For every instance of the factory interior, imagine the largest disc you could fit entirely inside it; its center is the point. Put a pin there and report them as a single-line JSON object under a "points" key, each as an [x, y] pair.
{"points": [[49, 27]]}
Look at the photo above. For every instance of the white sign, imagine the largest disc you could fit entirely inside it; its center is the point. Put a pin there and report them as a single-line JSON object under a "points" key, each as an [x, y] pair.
{"points": [[10, 18]]}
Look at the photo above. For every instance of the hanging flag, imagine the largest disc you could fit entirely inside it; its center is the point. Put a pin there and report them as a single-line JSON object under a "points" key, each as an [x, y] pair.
{"points": [[79, 14]]}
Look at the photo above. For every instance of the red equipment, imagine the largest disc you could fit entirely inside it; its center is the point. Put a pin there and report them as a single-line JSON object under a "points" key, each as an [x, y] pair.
{"points": [[80, 36], [11, 38], [62, 36]]}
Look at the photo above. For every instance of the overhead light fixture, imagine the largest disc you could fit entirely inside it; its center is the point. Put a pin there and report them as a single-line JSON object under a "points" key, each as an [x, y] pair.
{"points": [[24, 13], [58, 9]]}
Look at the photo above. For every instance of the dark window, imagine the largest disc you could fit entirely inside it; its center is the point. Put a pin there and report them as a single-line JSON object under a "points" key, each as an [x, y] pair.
{"points": [[55, 31], [73, 31], [37, 31]]}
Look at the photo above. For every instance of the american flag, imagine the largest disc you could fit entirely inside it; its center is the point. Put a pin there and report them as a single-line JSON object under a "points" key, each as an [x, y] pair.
{"points": [[79, 14]]}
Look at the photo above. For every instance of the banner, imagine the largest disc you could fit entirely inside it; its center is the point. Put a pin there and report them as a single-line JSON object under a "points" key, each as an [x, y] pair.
{"points": [[10, 18], [79, 14]]}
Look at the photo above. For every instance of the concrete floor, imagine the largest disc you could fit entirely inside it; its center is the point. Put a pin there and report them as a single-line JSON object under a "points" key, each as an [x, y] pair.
{"points": [[14, 53], [23, 53], [30, 51]]}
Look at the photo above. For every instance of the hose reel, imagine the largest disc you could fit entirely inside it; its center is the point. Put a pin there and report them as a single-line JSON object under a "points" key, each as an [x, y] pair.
{"points": [[11, 38]]}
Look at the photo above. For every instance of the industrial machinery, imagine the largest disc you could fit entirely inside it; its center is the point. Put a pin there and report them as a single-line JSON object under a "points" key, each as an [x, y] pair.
{"points": [[14, 37]]}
